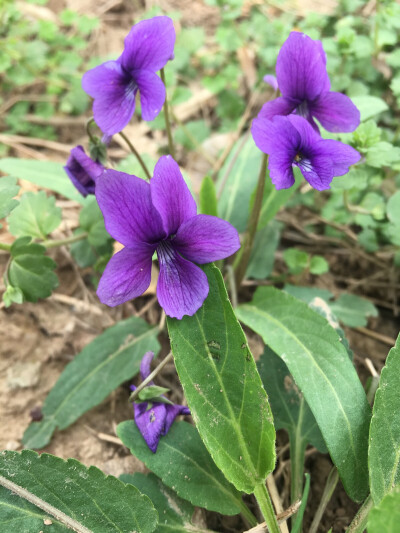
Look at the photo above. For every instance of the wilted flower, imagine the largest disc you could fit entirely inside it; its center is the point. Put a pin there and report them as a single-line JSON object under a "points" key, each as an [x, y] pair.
{"points": [[114, 84], [291, 141], [153, 418], [83, 171], [159, 216], [305, 87]]}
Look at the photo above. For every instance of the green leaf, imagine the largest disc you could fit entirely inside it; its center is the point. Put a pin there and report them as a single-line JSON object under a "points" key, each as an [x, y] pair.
{"points": [[369, 106], [36, 216], [101, 367], [353, 310], [31, 271], [187, 133], [385, 517], [296, 260], [175, 514], [309, 346], [307, 294], [94, 500], [318, 265], [223, 388], [382, 154], [8, 189], [151, 392], [393, 208], [46, 174], [384, 435], [263, 253], [237, 180], [184, 464], [288, 405], [12, 294], [296, 528], [208, 197]]}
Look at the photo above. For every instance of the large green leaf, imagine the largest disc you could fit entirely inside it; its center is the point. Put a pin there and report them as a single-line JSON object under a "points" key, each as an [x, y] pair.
{"points": [[237, 179], [46, 174], [36, 216], [385, 518], [320, 365], [353, 310], [175, 514], [263, 253], [102, 365], [223, 388], [369, 106], [8, 189], [184, 464], [97, 502], [384, 436]]}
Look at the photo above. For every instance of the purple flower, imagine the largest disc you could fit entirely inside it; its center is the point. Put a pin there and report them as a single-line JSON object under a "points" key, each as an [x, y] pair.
{"points": [[304, 85], [114, 84], [272, 81], [83, 171], [159, 216], [292, 141], [154, 419]]}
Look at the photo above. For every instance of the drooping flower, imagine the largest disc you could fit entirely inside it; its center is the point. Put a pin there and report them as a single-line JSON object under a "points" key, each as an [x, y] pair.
{"points": [[159, 216], [291, 141], [154, 419], [305, 87], [114, 84], [83, 171]]}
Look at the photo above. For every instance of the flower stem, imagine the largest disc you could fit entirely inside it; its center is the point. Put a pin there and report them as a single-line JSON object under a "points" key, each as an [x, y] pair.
{"points": [[89, 130], [167, 120], [150, 377], [242, 261], [331, 482], [5, 246], [136, 153], [61, 242], [264, 501], [359, 522]]}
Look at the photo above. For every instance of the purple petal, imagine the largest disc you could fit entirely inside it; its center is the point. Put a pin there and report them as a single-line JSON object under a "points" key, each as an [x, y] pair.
{"points": [[152, 93], [318, 172], [336, 112], [170, 195], [342, 155], [129, 215], [279, 106], [277, 135], [280, 170], [172, 412], [308, 136], [149, 44], [204, 238], [83, 171], [114, 96], [127, 275], [300, 69], [272, 81], [151, 423], [182, 286], [145, 365]]}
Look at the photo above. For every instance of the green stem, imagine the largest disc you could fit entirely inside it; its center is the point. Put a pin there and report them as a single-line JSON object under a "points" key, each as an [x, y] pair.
{"points": [[136, 153], [5, 246], [264, 501], [330, 486], [242, 261], [89, 130], [61, 242], [150, 377], [359, 522], [297, 451], [167, 120]]}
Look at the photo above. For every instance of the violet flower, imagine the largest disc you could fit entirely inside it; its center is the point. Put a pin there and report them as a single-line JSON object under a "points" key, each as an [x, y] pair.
{"points": [[271, 80], [114, 84], [83, 171], [154, 419], [305, 87], [159, 216], [291, 141]]}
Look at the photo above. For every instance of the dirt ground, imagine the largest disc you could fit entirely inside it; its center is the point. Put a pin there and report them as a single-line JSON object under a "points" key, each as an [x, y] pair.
{"points": [[38, 340]]}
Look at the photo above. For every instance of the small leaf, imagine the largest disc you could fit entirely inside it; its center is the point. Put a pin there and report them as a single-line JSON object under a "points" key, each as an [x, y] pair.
{"points": [[296, 260], [223, 388], [36, 216], [175, 514], [31, 271], [151, 392], [12, 295], [8, 189], [384, 435], [94, 500], [353, 310], [101, 367], [382, 154], [308, 345], [184, 464], [318, 265], [385, 518], [369, 106], [208, 197]]}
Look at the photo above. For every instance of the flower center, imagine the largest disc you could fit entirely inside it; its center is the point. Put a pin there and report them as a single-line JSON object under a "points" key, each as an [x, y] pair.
{"points": [[302, 110], [131, 89]]}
